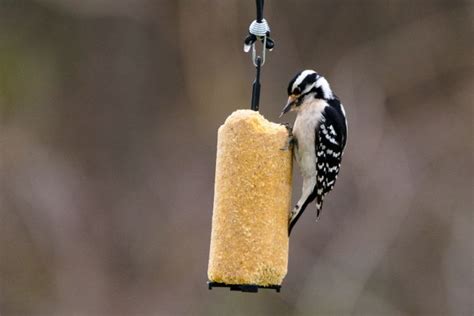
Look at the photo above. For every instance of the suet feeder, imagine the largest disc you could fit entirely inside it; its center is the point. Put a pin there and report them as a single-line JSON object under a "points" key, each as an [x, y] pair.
{"points": [[252, 196]]}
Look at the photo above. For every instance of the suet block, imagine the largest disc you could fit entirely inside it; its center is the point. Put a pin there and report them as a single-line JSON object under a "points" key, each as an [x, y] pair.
{"points": [[252, 197]]}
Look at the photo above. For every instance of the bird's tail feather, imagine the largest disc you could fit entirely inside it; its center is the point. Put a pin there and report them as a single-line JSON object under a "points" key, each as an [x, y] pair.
{"points": [[299, 211]]}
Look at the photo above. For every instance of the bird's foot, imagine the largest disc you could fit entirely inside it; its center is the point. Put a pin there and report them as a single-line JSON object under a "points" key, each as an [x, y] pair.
{"points": [[289, 143], [291, 139], [288, 128]]}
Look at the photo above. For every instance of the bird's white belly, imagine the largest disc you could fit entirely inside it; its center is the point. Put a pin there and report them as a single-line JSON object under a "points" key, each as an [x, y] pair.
{"points": [[304, 130]]}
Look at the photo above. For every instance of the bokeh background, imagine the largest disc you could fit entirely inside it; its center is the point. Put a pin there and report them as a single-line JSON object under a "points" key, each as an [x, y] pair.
{"points": [[108, 117]]}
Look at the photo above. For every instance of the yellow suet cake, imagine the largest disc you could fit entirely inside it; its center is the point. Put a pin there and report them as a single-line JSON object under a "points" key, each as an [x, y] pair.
{"points": [[252, 197]]}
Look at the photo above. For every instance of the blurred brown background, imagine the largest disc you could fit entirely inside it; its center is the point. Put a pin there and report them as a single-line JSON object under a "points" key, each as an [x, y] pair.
{"points": [[108, 118]]}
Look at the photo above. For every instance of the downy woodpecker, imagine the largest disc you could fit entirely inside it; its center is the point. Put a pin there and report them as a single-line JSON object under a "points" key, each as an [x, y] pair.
{"points": [[319, 137]]}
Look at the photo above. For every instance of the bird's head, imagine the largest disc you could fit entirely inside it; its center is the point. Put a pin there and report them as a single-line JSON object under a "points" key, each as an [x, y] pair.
{"points": [[306, 86]]}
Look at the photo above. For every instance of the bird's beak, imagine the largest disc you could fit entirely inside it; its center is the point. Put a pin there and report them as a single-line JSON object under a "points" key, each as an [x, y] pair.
{"points": [[289, 105]]}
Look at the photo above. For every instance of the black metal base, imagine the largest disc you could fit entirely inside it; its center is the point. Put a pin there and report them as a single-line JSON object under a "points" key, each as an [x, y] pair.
{"points": [[248, 288]]}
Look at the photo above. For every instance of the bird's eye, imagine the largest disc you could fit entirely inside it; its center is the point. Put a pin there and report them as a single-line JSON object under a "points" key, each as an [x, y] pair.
{"points": [[297, 91]]}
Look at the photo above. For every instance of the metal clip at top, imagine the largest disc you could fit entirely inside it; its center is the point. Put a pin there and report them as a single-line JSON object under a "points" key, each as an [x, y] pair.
{"points": [[258, 30], [254, 53]]}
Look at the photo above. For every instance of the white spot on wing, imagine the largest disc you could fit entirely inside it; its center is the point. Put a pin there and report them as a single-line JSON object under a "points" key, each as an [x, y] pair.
{"points": [[330, 139]]}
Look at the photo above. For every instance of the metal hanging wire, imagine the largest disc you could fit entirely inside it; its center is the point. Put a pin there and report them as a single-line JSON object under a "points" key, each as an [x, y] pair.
{"points": [[258, 30]]}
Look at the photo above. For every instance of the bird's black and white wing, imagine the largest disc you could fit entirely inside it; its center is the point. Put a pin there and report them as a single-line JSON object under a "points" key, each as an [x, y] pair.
{"points": [[331, 136]]}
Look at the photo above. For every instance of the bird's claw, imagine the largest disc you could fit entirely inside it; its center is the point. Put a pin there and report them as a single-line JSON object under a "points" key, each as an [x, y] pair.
{"points": [[288, 128], [289, 143]]}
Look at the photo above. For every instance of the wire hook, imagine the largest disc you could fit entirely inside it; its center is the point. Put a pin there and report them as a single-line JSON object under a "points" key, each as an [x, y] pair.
{"points": [[254, 53]]}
